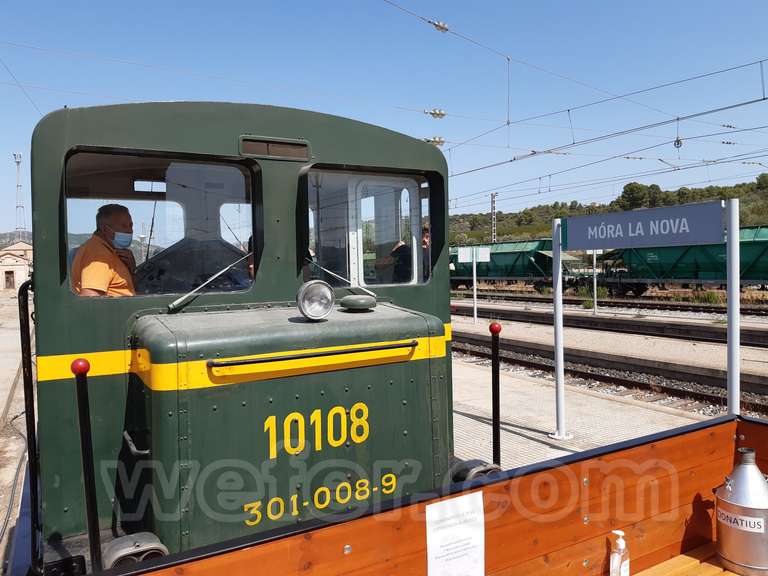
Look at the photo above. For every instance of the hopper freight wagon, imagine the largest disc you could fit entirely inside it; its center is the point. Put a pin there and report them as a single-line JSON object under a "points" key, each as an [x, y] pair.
{"points": [[636, 269], [219, 409], [528, 261]]}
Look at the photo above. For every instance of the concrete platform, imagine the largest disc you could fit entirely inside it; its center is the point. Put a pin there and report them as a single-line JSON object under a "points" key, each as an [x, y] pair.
{"points": [[11, 405], [528, 416]]}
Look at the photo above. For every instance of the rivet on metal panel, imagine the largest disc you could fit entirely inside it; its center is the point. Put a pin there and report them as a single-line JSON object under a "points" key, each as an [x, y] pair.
{"points": [[585, 562], [243, 403], [585, 519], [270, 399], [170, 413], [322, 392], [297, 396], [66, 508], [214, 408], [405, 432], [347, 549], [346, 388], [405, 402], [369, 386], [585, 481]]}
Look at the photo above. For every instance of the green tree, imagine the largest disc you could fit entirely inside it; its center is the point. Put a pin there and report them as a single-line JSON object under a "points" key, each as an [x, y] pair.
{"points": [[655, 196], [634, 195]]}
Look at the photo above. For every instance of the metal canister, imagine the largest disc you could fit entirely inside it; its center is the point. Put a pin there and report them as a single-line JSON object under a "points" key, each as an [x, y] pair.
{"points": [[741, 508]]}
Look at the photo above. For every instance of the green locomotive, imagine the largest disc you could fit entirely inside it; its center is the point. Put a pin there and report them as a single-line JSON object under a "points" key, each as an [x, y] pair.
{"points": [[218, 409]]}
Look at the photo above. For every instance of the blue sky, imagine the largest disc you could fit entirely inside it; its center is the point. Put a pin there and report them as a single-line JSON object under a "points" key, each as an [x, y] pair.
{"points": [[367, 60]]}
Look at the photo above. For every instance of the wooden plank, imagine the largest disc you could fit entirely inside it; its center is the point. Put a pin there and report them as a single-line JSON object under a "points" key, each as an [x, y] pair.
{"points": [[650, 542], [676, 471], [701, 570], [520, 539], [679, 564]]}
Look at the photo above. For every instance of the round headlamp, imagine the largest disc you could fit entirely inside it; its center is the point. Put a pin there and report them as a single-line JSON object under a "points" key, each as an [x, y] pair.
{"points": [[315, 299]]}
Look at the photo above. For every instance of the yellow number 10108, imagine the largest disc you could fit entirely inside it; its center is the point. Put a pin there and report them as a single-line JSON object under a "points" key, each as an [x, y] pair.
{"points": [[339, 426]]}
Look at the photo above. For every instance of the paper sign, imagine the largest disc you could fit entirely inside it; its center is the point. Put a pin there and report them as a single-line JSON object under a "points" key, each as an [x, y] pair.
{"points": [[483, 254], [465, 254], [456, 537]]}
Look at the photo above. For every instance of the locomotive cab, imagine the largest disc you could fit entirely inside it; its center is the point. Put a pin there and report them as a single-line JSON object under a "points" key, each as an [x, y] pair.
{"points": [[218, 409]]}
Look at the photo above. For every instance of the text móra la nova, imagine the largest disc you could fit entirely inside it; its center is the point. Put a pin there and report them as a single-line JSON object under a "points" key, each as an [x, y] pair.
{"points": [[661, 227]]}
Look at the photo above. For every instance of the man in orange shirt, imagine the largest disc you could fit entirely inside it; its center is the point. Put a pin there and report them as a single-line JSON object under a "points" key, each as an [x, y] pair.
{"points": [[104, 264]]}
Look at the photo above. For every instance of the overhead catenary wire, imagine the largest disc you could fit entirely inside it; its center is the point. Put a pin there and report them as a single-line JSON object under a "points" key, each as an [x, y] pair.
{"points": [[620, 178], [442, 27], [608, 136], [697, 164], [19, 85], [611, 96], [569, 110], [555, 127], [611, 181], [622, 155], [614, 157]]}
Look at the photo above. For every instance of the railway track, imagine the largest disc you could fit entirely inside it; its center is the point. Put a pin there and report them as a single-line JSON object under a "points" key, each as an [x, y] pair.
{"points": [[757, 337], [678, 380], [747, 310]]}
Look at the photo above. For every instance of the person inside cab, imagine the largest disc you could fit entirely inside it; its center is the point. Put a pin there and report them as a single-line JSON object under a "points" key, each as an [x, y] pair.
{"points": [[104, 265]]}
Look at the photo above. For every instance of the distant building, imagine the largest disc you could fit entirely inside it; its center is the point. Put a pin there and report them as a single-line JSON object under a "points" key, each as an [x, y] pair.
{"points": [[15, 265]]}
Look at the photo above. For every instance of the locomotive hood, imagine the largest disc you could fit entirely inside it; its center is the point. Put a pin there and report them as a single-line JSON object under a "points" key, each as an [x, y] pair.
{"points": [[210, 349]]}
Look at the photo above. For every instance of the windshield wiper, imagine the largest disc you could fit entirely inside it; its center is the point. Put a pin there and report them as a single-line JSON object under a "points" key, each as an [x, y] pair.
{"points": [[181, 300], [369, 292]]}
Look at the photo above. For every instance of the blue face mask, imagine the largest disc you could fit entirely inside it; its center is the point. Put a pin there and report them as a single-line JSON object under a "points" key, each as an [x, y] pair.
{"points": [[122, 240]]}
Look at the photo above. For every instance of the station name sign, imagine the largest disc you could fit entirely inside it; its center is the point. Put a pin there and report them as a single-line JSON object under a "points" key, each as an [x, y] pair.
{"points": [[688, 224]]}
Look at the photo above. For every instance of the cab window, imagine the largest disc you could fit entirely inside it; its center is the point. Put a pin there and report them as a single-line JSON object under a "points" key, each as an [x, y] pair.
{"points": [[139, 225], [369, 229]]}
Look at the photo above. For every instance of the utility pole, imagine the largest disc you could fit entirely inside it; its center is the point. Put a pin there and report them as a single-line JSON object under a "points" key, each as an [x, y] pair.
{"points": [[19, 201], [493, 217]]}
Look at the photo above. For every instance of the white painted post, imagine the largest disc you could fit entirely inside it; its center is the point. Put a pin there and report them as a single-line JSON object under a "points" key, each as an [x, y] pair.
{"points": [[474, 282], [594, 282], [734, 307], [557, 293]]}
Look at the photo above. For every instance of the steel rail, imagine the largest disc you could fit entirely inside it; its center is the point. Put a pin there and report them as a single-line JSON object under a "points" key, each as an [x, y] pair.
{"points": [[755, 337], [478, 345], [749, 310]]}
